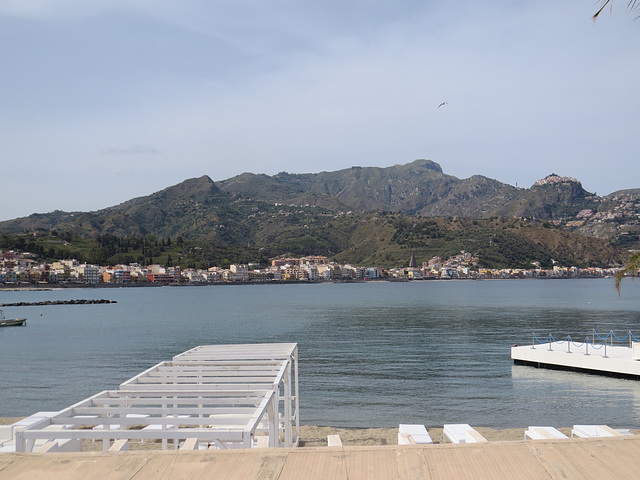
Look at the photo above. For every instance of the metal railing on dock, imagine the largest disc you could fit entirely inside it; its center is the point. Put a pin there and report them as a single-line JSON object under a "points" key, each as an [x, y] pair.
{"points": [[611, 335]]}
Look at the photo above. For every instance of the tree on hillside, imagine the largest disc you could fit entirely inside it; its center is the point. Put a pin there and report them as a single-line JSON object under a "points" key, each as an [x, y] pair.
{"points": [[632, 5], [631, 267]]}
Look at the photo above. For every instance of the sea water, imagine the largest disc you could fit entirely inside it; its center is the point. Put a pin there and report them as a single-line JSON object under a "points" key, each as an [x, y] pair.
{"points": [[372, 354]]}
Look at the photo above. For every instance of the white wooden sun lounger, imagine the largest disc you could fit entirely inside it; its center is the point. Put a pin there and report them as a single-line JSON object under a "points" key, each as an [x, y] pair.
{"points": [[121, 445], [30, 420], [112, 426], [461, 433], [261, 441], [413, 434], [591, 431], [543, 433], [48, 447], [6, 434], [7, 443], [190, 444], [63, 445], [157, 426]]}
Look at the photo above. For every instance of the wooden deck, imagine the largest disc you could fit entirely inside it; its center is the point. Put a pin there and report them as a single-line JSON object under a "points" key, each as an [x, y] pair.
{"points": [[597, 459]]}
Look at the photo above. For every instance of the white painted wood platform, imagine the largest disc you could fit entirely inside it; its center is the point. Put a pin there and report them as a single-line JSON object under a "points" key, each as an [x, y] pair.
{"points": [[461, 433], [410, 434], [611, 360], [237, 367], [217, 395], [543, 433]]}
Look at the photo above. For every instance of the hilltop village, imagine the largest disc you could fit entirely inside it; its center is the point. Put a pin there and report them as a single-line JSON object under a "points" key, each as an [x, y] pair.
{"points": [[23, 268]]}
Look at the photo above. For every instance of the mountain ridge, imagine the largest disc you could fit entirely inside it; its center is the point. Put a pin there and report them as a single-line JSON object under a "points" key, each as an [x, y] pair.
{"points": [[422, 188], [333, 214]]}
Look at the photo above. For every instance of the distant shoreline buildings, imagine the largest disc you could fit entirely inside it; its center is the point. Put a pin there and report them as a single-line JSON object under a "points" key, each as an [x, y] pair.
{"points": [[23, 268]]}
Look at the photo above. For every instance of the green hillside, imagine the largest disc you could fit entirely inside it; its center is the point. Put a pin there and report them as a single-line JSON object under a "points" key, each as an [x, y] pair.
{"points": [[360, 215], [381, 239]]}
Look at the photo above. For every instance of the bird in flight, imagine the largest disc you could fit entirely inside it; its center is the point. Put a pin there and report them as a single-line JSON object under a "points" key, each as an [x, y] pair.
{"points": [[443, 103]]}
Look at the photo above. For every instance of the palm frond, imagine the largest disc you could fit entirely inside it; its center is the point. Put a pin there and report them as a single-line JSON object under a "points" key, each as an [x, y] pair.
{"points": [[603, 4], [632, 5], [631, 267]]}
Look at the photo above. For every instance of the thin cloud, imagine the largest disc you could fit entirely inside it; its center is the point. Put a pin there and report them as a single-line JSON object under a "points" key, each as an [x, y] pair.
{"points": [[132, 150], [232, 86], [68, 9]]}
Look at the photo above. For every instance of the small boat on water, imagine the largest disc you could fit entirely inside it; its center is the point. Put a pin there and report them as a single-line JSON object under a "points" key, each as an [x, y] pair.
{"points": [[11, 322]]}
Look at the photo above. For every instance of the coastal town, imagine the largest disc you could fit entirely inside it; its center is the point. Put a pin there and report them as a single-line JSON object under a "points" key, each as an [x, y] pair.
{"points": [[24, 268]]}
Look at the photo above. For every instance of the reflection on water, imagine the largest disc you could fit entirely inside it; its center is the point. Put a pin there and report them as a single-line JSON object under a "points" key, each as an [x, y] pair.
{"points": [[374, 354], [576, 398]]}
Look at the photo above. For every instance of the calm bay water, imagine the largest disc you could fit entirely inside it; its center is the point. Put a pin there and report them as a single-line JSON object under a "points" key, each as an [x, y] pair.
{"points": [[371, 355]]}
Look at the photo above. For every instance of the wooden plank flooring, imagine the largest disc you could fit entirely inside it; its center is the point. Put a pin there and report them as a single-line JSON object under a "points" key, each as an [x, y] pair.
{"points": [[587, 459]]}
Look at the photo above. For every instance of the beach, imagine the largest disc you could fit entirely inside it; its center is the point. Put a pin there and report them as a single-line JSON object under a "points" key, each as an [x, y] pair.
{"points": [[316, 436], [369, 453], [363, 456], [313, 436]]}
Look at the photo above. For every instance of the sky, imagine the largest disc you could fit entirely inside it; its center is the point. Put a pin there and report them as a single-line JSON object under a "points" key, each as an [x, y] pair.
{"points": [[107, 100]]}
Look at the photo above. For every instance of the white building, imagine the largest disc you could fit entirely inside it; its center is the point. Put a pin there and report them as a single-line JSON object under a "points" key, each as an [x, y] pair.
{"points": [[91, 273], [238, 273], [372, 273]]}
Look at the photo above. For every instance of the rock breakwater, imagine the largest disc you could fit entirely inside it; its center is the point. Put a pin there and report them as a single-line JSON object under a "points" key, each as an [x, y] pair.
{"points": [[57, 302]]}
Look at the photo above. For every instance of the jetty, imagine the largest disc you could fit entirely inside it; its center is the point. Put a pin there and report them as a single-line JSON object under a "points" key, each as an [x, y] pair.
{"points": [[57, 302], [609, 355]]}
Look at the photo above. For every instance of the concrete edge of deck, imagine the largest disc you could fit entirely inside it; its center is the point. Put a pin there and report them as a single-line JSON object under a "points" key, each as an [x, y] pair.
{"points": [[567, 368]]}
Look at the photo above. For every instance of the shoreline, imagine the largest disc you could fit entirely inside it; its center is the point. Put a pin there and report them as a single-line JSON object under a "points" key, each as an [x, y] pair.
{"points": [[58, 286], [316, 436]]}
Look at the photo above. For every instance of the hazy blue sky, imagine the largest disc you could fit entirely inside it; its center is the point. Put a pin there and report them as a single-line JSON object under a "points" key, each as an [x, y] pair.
{"points": [[105, 100]]}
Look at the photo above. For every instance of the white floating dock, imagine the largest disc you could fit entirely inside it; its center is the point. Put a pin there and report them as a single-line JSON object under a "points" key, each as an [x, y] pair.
{"points": [[617, 361]]}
